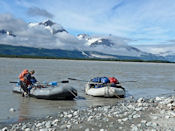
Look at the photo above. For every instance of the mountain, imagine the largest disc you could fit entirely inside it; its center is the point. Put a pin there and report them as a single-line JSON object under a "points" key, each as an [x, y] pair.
{"points": [[53, 27], [110, 44], [40, 52], [6, 32], [95, 41], [48, 25], [52, 36], [167, 51], [168, 54], [56, 53], [115, 46]]}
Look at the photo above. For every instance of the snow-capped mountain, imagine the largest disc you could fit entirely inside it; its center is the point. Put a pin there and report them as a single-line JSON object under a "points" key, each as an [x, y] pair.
{"points": [[51, 35], [111, 45], [95, 41], [167, 51], [49, 25], [6, 32]]}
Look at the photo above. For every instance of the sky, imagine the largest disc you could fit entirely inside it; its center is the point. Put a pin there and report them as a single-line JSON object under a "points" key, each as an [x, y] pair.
{"points": [[145, 22]]}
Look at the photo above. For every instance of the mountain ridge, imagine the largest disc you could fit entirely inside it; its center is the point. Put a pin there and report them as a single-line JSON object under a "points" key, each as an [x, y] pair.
{"points": [[50, 35], [59, 53]]}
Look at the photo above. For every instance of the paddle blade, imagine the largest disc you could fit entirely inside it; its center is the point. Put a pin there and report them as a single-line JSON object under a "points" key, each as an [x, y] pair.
{"points": [[13, 82], [65, 81]]}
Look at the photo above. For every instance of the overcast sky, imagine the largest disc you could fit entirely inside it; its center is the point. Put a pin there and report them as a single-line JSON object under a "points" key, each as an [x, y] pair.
{"points": [[146, 22]]}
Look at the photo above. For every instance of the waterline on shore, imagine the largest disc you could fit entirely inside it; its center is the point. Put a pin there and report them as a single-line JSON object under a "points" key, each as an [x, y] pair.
{"points": [[131, 114]]}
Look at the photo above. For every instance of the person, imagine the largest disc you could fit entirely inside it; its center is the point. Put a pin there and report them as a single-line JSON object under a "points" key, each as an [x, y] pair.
{"points": [[26, 80]]}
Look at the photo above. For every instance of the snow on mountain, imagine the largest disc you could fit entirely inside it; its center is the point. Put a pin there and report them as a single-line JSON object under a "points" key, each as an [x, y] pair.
{"points": [[167, 51], [96, 55], [83, 36], [162, 50], [48, 25], [94, 41], [51, 35], [110, 45], [45, 34]]}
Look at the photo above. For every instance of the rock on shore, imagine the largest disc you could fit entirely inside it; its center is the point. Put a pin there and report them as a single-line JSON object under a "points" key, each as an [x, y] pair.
{"points": [[135, 115]]}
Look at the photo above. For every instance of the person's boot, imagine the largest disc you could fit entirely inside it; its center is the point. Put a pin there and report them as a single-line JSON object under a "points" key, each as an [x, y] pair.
{"points": [[25, 94]]}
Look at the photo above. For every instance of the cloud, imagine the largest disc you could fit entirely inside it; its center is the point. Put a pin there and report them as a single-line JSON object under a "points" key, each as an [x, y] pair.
{"points": [[38, 36], [161, 49], [8, 22], [151, 19], [35, 11], [118, 5]]}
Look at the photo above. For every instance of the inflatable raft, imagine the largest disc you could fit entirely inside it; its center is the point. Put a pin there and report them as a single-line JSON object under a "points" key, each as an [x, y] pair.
{"points": [[49, 92], [104, 90]]}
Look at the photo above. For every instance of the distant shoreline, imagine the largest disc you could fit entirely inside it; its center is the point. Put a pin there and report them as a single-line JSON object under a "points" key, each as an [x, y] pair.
{"points": [[10, 51], [91, 59]]}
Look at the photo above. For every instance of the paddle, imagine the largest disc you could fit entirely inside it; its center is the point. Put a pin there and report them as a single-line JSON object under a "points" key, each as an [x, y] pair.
{"points": [[88, 81], [13, 82], [127, 81], [77, 79], [64, 81]]}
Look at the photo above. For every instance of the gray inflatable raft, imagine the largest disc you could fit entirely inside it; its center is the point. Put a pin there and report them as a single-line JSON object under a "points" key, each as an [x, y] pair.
{"points": [[50, 92], [106, 90]]}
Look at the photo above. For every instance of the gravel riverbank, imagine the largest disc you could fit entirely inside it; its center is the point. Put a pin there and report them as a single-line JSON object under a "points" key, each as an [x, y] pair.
{"points": [[135, 115]]}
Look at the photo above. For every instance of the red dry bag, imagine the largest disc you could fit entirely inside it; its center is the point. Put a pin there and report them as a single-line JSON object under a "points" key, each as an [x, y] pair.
{"points": [[113, 80]]}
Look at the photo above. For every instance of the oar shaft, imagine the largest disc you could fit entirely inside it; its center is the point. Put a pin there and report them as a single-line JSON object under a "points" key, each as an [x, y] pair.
{"points": [[77, 79], [64, 81], [127, 81]]}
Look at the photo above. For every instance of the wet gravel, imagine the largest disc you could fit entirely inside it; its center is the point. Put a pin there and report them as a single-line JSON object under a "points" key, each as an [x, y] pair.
{"points": [[133, 114]]}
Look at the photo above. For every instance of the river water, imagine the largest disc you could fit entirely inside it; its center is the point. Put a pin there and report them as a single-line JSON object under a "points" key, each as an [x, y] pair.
{"points": [[152, 79]]}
